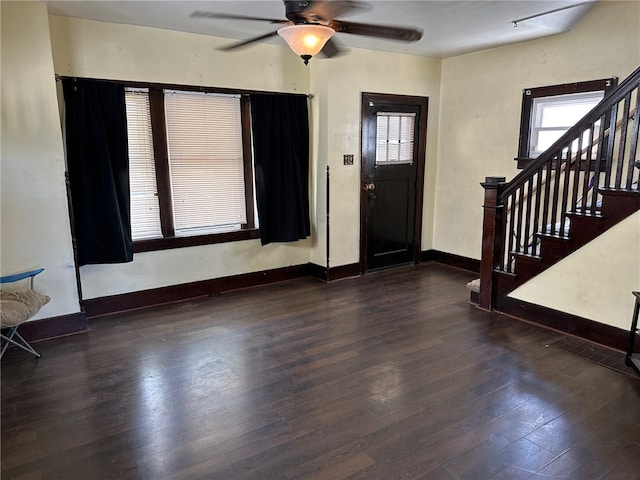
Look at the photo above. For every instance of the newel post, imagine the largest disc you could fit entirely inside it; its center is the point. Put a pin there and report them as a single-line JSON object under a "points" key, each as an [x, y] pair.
{"points": [[492, 239]]}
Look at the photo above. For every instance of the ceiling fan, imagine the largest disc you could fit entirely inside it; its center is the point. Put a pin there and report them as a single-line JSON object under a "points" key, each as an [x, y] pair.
{"points": [[310, 25]]}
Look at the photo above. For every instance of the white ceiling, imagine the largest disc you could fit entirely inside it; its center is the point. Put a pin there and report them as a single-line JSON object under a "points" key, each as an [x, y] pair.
{"points": [[450, 27]]}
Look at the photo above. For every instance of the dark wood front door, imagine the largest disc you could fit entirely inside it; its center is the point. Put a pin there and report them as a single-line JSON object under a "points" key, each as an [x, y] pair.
{"points": [[393, 155]]}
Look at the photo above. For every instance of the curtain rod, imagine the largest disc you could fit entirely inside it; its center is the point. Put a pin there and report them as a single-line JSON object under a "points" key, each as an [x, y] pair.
{"points": [[185, 87]]}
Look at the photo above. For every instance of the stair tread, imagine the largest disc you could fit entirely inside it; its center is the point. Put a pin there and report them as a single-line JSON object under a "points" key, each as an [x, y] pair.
{"points": [[588, 209], [619, 191], [577, 213], [504, 273], [528, 256], [554, 237]]}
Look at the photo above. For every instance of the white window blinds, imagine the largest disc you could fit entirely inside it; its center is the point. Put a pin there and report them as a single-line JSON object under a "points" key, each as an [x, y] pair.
{"points": [[145, 211], [394, 138], [204, 136]]}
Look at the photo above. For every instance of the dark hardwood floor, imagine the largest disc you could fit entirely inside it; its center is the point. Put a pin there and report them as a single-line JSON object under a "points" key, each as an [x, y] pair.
{"points": [[389, 376]]}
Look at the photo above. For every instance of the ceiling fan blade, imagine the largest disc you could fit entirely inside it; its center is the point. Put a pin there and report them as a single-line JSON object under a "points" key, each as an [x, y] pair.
{"points": [[406, 34], [231, 16], [331, 49], [321, 11], [243, 43]]}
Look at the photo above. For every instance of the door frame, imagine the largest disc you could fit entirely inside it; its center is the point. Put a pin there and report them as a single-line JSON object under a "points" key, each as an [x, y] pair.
{"points": [[368, 150]]}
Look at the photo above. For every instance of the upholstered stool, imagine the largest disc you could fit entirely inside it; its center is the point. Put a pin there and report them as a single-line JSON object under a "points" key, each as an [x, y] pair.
{"points": [[16, 307]]}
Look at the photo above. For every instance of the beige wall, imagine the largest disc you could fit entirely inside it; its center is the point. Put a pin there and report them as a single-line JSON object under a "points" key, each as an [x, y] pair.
{"points": [[101, 50], [590, 284], [124, 52], [481, 100], [340, 83], [35, 220]]}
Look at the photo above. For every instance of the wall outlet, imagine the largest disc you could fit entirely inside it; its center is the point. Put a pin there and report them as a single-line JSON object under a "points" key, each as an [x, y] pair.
{"points": [[348, 159]]}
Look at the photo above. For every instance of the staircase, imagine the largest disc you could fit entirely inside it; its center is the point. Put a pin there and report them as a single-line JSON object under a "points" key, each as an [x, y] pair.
{"points": [[585, 183]]}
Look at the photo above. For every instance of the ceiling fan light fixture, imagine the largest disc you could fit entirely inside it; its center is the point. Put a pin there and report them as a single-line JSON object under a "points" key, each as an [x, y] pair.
{"points": [[306, 40]]}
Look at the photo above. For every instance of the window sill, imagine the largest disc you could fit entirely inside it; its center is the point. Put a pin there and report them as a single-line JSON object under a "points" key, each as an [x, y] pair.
{"points": [[154, 244], [523, 162]]}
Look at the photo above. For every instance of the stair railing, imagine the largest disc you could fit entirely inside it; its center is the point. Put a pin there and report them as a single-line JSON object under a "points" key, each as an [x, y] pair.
{"points": [[599, 152]]}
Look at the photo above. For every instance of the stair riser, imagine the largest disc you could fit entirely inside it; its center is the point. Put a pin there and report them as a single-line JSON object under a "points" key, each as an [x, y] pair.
{"points": [[616, 207]]}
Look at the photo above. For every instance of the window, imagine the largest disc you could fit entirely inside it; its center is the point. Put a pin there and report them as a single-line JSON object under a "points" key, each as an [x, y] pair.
{"points": [[145, 209], [204, 139], [394, 138], [553, 116], [548, 112], [190, 166]]}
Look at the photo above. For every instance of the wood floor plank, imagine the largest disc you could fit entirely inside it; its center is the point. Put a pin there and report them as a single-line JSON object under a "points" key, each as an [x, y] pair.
{"points": [[393, 375]]}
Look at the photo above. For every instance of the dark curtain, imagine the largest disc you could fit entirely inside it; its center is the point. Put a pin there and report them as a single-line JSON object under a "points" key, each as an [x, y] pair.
{"points": [[281, 154], [98, 166]]}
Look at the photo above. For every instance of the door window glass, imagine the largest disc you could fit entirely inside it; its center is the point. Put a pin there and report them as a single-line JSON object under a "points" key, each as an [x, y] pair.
{"points": [[394, 138]]}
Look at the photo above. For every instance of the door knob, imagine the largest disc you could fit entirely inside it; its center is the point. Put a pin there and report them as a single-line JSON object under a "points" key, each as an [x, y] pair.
{"points": [[369, 186]]}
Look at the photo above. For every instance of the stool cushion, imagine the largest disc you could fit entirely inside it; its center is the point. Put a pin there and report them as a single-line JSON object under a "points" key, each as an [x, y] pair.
{"points": [[18, 307], [474, 286]]}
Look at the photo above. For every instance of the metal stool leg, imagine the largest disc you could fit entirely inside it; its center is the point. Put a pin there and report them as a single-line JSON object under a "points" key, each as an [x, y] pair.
{"points": [[22, 343], [633, 359]]}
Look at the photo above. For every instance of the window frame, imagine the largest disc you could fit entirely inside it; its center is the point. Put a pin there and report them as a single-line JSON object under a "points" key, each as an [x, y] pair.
{"points": [[169, 239], [528, 96]]}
